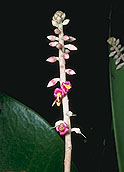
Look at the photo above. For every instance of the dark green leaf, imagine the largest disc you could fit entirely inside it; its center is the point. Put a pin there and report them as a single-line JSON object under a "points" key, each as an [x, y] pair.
{"points": [[117, 101], [27, 142]]}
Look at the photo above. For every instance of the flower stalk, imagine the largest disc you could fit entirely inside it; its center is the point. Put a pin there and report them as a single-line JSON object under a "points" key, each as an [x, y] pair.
{"points": [[65, 102], [61, 94]]}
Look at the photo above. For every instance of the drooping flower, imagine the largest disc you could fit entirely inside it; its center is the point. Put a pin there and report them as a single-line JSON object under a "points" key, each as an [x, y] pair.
{"points": [[66, 86], [78, 131], [61, 127], [58, 94]]}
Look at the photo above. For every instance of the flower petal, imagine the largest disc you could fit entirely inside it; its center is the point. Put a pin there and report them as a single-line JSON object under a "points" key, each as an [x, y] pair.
{"points": [[59, 122], [66, 21], [70, 47], [63, 132], [53, 82], [53, 44], [70, 71], [52, 59]]}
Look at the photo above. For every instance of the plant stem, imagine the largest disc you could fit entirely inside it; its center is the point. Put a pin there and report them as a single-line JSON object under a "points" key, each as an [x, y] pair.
{"points": [[65, 104]]}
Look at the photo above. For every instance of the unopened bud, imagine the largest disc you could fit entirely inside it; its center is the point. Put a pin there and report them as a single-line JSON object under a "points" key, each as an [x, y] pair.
{"points": [[57, 31], [59, 46]]}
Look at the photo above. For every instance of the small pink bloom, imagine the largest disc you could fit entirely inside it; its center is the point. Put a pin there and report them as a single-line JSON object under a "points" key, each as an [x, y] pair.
{"points": [[53, 82], [66, 56], [70, 71], [52, 59], [62, 128], [66, 86], [70, 47], [51, 37], [59, 94]]}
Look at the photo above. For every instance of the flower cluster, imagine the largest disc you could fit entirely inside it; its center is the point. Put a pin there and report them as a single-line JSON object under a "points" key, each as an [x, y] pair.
{"points": [[57, 20], [57, 41], [59, 93], [116, 51]]}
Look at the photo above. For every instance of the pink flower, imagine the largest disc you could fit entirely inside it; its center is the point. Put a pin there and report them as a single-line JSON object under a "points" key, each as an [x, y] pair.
{"points": [[62, 128], [66, 86], [59, 94]]}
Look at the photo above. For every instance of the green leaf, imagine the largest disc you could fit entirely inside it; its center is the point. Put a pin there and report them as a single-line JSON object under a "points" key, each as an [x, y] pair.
{"points": [[27, 142], [117, 102]]}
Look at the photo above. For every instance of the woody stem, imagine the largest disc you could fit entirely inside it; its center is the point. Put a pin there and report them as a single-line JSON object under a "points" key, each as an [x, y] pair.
{"points": [[65, 104]]}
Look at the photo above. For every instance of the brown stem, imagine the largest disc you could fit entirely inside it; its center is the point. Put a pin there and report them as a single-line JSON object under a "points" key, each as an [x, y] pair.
{"points": [[65, 104]]}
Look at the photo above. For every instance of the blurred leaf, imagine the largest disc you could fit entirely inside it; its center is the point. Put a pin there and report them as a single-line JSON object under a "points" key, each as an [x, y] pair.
{"points": [[117, 102], [27, 143]]}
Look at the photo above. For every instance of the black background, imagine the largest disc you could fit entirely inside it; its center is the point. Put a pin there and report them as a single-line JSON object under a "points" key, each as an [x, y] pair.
{"points": [[24, 72]]}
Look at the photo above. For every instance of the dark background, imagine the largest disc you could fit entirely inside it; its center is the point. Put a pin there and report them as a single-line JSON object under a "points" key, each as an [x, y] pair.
{"points": [[24, 73]]}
